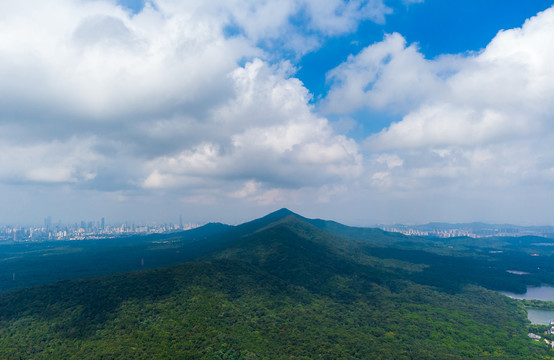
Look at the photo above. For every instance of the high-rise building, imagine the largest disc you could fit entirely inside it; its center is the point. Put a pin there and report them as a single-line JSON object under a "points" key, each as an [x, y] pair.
{"points": [[48, 223], [102, 223]]}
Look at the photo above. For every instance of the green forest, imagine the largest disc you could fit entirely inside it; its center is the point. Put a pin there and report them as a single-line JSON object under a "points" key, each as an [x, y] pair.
{"points": [[279, 287]]}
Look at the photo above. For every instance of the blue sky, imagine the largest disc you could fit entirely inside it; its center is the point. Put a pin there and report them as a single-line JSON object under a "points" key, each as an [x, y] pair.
{"points": [[363, 111], [437, 26]]}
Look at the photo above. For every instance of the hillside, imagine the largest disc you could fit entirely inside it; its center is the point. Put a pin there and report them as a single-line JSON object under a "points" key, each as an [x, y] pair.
{"points": [[275, 288], [26, 264]]}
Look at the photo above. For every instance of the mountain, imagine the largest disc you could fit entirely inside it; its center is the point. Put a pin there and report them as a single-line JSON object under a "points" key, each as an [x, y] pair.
{"points": [[33, 263], [301, 254], [279, 287]]}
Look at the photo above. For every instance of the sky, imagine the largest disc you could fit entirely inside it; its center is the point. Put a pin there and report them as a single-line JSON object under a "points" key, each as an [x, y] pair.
{"points": [[363, 111]]}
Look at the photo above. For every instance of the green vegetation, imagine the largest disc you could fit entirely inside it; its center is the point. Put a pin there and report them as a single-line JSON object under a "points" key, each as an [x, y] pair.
{"points": [[278, 288], [230, 309], [27, 264], [538, 304]]}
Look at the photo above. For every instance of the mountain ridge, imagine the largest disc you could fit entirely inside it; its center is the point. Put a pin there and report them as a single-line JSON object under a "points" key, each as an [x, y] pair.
{"points": [[277, 287]]}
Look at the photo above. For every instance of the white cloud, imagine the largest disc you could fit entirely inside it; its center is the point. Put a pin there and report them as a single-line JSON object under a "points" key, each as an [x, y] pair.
{"points": [[69, 162], [250, 188], [386, 76], [270, 21], [390, 160], [268, 135], [501, 93], [445, 124], [92, 60], [336, 17], [96, 96], [477, 125], [192, 102]]}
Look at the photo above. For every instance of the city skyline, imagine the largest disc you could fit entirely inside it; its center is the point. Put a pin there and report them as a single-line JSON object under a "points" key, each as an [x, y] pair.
{"points": [[365, 112], [99, 229], [100, 223]]}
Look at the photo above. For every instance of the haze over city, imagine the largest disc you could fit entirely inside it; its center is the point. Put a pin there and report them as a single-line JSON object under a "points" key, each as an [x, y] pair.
{"points": [[364, 112]]}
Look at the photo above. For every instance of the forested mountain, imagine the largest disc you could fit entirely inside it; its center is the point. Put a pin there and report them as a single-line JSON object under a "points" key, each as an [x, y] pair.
{"points": [[280, 287], [24, 264]]}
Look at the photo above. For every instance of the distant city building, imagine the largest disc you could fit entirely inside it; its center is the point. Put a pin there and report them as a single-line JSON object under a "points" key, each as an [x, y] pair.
{"points": [[48, 223], [84, 230], [473, 230]]}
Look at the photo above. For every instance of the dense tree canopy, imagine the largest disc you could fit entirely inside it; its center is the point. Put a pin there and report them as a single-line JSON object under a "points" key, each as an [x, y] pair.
{"points": [[280, 288]]}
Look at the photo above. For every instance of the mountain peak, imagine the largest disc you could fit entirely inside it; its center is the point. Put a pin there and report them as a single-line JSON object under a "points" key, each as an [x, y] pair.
{"points": [[275, 216], [282, 212], [264, 221]]}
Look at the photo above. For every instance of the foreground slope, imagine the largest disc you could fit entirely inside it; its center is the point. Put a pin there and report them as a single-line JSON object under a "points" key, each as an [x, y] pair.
{"points": [[276, 288]]}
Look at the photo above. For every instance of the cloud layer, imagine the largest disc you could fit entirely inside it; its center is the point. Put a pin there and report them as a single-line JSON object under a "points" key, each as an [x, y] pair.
{"points": [[188, 98], [188, 103], [477, 124]]}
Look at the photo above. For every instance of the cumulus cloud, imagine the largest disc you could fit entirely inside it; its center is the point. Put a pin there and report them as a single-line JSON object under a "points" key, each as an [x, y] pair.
{"points": [[268, 23], [386, 76], [92, 60], [69, 162], [336, 17], [478, 124], [445, 124], [267, 133], [185, 96], [505, 91], [193, 101], [475, 140]]}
